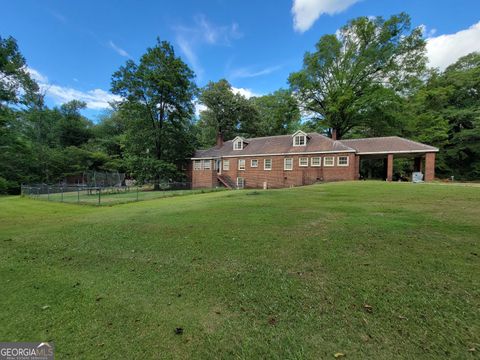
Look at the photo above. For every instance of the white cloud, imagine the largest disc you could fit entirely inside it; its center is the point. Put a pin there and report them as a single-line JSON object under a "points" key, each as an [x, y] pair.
{"points": [[118, 49], [249, 73], [244, 92], [444, 50], [96, 99], [306, 12], [199, 108], [190, 38]]}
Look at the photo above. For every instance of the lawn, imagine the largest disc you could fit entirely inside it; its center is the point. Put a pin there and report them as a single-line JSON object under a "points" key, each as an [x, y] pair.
{"points": [[367, 269]]}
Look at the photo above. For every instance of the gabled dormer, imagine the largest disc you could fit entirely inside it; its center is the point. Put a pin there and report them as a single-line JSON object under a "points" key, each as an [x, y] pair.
{"points": [[238, 143], [299, 138]]}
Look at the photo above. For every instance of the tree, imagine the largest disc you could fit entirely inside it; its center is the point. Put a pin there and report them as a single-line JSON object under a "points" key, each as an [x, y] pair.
{"points": [[278, 113], [226, 113], [368, 60], [16, 85], [158, 103]]}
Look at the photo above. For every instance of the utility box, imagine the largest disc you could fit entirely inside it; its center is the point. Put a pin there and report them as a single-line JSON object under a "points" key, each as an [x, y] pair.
{"points": [[417, 177]]}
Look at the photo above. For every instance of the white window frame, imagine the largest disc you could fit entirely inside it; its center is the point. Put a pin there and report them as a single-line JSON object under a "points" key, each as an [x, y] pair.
{"points": [[329, 158], [285, 164], [265, 164], [256, 163], [300, 161], [338, 160], [226, 165], [207, 164], [236, 143], [298, 137], [240, 180], [241, 161], [197, 165], [319, 161]]}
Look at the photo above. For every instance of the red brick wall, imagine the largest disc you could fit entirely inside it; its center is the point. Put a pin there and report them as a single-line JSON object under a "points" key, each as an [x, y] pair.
{"points": [[429, 166], [278, 177]]}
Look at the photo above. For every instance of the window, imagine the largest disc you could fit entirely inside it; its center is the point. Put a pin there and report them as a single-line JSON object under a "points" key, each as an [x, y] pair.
{"points": [[299, 140], [288, 164], [241, 164], [240, 182], [197, 165], [342, 161], [315, 161], [254, 163], [238, 144], [303, 161], [328, 161], [207, 164], [267, 164], [226, 165]]}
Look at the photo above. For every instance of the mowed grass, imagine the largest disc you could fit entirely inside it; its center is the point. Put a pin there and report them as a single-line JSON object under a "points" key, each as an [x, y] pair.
{"points": [[368, 269]]}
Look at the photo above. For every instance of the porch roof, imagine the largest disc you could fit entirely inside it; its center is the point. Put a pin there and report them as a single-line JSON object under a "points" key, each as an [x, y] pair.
{"points": [[387, 145]]}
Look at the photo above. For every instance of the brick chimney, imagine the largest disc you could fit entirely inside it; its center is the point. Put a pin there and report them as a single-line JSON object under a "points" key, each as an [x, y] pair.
{"points": [[219, 139], [334, 134]]}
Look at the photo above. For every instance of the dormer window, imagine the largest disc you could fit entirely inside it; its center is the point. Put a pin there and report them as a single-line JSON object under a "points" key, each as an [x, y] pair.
{"points": [[238, 143], [299, 138]]}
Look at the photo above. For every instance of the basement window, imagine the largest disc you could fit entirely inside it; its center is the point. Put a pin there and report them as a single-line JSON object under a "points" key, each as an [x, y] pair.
{"points": [[254, 163], [226, 165], [197, 165], [303, 161], [288, 164], [315, 161], [342, 161], [328, 161], [267, 164], [240, 182], [241, 164]]}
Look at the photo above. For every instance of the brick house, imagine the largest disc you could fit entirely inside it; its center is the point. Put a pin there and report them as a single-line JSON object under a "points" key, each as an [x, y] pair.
{"points": [[299, 159]]}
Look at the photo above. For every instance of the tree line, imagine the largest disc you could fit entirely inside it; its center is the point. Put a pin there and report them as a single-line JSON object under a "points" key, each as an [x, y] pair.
{"points": [[370, 78]]}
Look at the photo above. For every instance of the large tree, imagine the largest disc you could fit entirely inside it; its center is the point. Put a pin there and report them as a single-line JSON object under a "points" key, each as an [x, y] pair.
{"points": [[278, 113], [157, 98], [359, 71], [227, 113]]}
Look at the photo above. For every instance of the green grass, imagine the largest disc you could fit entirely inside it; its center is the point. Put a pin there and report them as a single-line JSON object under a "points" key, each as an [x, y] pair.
{"points": [[285, 274]]}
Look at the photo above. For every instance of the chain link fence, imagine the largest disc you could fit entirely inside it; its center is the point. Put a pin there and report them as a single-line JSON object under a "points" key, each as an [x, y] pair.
{"points": [[105, 195]]}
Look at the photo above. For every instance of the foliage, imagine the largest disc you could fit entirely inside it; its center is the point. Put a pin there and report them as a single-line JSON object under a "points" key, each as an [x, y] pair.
{"points": [[358, 72], [148, 169]]}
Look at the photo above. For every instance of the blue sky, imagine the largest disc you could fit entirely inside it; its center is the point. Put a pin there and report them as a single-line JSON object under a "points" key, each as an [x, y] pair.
{"points": [[73, 47]]}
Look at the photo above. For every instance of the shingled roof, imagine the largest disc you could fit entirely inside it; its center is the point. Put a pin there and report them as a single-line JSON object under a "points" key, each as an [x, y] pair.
{"points": [[388, 144], [317, 143], [276, 145]]}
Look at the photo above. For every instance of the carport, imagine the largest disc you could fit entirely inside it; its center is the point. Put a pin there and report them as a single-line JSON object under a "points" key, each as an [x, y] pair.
{"points": [[388, 148]]}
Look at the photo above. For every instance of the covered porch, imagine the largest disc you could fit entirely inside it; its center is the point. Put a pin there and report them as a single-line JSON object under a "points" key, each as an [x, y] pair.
{"points": [[390, 148]]}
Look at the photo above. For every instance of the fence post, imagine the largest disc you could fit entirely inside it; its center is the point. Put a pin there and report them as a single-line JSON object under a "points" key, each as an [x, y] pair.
{"points": [[137, 192], [78, 195], [48, 193], [99, 196], [62, 193]]}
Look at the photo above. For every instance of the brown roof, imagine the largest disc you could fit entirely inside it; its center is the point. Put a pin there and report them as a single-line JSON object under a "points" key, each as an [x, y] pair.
{"points": [[316, 143], [271, 145], [389, 144]]}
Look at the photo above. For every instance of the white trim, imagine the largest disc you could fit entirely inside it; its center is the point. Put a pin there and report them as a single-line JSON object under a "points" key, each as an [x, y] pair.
{"points": [[209, 162], [238, 165], [319, 161], [338, 160], [396, 152], [251, 163], [271, 164], [328, 157], [300, 161], [226, 162], [285, 164], [290, 153], [299, 132]]}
